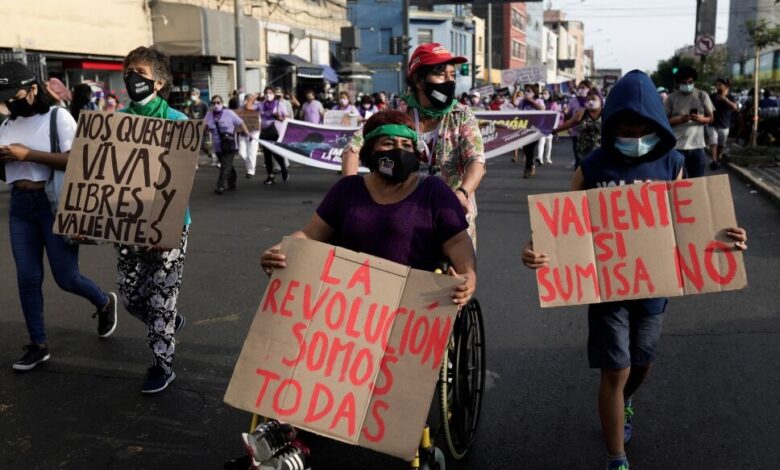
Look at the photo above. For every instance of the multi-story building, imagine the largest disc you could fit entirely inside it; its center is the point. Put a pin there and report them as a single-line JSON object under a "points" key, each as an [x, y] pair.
{"points": [[379, 21], [534, 32], [449, 25], [571, 45], [285, 43], [75, 45], [508, 24], [550, 55], [741, 55], [588, 63]]}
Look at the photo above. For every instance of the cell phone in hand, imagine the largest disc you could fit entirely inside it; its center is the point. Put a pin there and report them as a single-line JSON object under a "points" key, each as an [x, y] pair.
{"points": [[694, 111]]}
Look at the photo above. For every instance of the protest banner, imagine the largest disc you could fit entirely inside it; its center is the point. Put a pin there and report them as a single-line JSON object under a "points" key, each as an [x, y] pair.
{"points": [[129, 179], [316, 145], [521, 76], [642, 240], [251, 118], [348, 346], [484, 91], [505, 131], [341, 118]]}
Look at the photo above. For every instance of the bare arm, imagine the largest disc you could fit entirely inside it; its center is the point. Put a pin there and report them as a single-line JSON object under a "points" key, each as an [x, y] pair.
{"points": [[317, 229], [575, 119], [349, 162], [20, 153], [460, 251]]}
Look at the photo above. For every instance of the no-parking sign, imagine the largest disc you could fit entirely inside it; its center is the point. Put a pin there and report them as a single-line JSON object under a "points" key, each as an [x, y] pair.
{"points": [[705, 43]]}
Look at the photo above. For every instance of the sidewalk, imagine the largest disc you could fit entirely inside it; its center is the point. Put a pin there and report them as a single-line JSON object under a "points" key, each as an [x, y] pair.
{"points": [[765, 177]]}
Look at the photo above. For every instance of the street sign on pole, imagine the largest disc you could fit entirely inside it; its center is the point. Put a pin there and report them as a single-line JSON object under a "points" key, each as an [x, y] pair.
{"points": [[705, 44], [706, 17]]}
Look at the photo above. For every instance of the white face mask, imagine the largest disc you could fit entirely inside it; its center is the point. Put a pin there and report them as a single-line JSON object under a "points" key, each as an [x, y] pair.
{"points": [[269, 96], [593, 104], [545, 97], [686, 87], [583, 92], [194, 97], [636, 147], [344, 101]]}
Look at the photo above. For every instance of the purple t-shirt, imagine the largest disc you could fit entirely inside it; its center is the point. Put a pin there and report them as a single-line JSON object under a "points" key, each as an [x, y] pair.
{"points": [[225, 121], [312, 112], [410, 232], [574, 106]]}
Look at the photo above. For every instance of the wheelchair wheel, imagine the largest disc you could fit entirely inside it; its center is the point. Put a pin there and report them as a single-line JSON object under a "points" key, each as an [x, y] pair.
{"points": [[462, 381]]}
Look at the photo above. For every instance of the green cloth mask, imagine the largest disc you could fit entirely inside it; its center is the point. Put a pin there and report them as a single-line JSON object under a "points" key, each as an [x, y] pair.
{"points": [[157, 108], [428, 112]]}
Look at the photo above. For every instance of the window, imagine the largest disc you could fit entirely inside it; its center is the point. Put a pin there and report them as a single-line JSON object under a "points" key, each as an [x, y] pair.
{"points": [[518, 50], [518, 20], [384, 40], [424, 36]]}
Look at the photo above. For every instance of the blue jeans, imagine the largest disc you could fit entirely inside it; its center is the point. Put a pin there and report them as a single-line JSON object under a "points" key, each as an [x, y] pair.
{"points": [[695, 162], [31, 221]]}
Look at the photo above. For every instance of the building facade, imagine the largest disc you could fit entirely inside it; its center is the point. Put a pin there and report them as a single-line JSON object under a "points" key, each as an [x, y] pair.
{"points": [[534, 33], [550, 55], [379, 21], [741, 56]]}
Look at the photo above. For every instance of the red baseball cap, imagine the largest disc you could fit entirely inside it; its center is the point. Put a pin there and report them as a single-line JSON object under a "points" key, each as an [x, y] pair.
{"points": [[432, 54]]}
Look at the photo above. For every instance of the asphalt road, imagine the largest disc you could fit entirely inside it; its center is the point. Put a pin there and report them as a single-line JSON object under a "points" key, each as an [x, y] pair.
{"points": [[712, 401]]}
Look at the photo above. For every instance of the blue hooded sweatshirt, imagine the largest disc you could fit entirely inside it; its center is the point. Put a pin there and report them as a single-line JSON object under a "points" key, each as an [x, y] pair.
{"points": [[606, 166]]}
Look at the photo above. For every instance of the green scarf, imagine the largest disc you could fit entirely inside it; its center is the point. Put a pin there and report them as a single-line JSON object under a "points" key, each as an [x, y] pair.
{"points": [[428, 112], [157, 108]]}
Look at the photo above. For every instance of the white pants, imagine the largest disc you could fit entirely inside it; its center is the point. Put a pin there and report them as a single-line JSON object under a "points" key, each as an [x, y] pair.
{"points": [[247, 148], [544, 149]]}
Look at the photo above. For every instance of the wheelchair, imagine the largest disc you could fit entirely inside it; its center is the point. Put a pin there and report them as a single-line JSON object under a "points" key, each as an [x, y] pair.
{"points": [[460, 390]]}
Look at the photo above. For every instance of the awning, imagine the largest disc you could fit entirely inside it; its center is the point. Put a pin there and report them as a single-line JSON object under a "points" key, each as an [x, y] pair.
{"points": [[330, 74], [303, 68], [183, 30]]}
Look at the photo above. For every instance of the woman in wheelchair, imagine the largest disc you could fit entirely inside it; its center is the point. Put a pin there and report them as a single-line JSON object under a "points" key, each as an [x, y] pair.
{"points": [[394, 212]]}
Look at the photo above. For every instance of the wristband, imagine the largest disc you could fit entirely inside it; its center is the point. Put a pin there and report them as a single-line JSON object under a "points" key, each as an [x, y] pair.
{"points": [[464, 191]]}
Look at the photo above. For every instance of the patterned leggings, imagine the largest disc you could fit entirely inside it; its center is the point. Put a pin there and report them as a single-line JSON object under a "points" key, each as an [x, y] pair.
{"points": [[149, 283]]}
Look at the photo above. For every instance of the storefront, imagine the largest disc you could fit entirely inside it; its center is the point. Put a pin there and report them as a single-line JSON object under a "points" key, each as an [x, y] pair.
{"points": [[294, 73]]}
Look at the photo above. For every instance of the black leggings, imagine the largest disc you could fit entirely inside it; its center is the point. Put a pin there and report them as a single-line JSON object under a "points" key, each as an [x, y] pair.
{"points": [[530, 153], [270, 133]]}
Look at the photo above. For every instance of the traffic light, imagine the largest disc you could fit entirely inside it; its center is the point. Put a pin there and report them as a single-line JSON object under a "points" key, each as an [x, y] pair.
{"points": [[675, 64], [394, 45], [405, 46], [464, 69]]}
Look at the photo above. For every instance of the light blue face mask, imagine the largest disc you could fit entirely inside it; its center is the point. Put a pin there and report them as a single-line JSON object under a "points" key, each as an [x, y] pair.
{"points": [[636, 147], [686, 87]]}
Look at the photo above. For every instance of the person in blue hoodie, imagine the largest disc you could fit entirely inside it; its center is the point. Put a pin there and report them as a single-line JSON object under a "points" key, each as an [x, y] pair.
{"points": [[637, 145]]}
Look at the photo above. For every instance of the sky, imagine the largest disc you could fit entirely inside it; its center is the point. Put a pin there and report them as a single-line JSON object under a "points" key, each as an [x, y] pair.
{"points": [[636, 34]]}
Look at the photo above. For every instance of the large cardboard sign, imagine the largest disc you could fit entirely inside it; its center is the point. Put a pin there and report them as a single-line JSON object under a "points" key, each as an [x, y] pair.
{"points": [[643, 240], [129, 179], [251, 118], [336, 117], [348, 346]]}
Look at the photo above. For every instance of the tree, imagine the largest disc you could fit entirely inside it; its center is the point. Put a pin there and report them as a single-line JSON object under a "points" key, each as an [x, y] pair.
{"points": [[664, 73], [761, 35]]}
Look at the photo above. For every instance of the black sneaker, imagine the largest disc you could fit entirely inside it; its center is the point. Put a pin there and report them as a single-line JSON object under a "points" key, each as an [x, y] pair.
{"points": [[156, 380], [179, 323], [35, 355], [219, 190], [269, 180], [267, 439], [107, 317], [286, 176], [714, 166], [292, 457]]}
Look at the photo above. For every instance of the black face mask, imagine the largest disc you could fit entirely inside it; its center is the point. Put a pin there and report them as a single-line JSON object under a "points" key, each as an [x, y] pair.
{"points": [[20, 107], [138, 87], [394, 165], [439, 94]]}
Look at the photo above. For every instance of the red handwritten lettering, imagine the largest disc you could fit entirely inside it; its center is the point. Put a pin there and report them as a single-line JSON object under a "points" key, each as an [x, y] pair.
{"points": [[268, 377], [326, 277], [709, 264], [280, 395], [288, 297], [617, 212], [363, 276], [312, 414], [678, 202], [641, 274], [550, 221], [380, 423], [270, 296], [345, 411]]}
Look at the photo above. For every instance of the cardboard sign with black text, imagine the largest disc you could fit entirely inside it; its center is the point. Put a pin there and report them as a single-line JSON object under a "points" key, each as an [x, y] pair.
{"points": [[346, 345], [129, 179], [643, 240]]}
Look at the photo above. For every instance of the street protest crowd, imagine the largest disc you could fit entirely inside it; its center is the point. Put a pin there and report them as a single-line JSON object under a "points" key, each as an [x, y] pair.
{"points": [[416, 206]]}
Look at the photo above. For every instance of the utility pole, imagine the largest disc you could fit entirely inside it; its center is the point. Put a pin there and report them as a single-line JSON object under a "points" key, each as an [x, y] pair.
{"points": [[405, 60], [240, 63], [490, 43]]}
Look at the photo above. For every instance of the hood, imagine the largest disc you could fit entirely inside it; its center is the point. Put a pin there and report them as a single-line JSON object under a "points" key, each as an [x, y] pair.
{"points": [[636, 92]]}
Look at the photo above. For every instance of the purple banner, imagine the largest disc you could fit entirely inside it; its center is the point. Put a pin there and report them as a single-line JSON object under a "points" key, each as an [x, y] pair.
{"points": [[312, 144], [505, 131]]}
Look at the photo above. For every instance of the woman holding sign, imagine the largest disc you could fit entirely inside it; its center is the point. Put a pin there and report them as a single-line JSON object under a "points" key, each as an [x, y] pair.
{"points": [[637, 145], [30, 144], [149, 279], [394, 212]]}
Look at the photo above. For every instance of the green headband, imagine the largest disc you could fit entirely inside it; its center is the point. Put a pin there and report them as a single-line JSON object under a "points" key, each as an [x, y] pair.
{"points": [[393, 130]]}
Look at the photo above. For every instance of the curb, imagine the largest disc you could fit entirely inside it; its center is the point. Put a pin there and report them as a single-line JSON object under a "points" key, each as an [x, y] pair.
{"points": [[766, 189]]}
